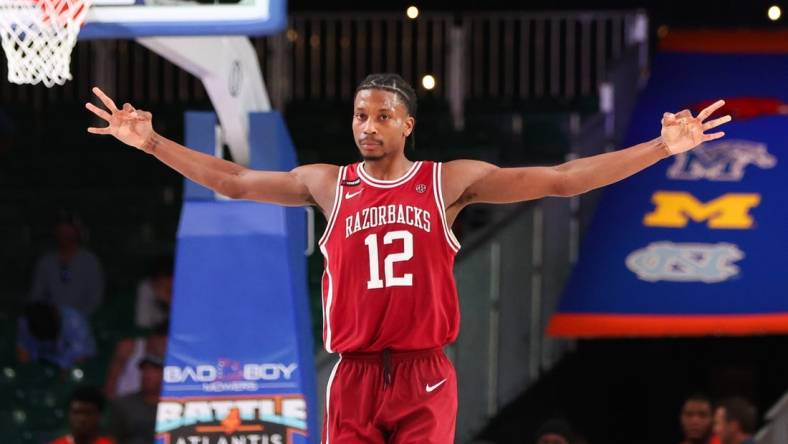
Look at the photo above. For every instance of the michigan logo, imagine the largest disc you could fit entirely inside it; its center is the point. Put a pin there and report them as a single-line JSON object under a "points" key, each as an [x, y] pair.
{"points": [[667, 261], [675, 208], [722, 161]]}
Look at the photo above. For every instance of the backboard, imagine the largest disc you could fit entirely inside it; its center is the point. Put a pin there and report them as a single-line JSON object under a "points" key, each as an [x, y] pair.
{"points": [[145, 18]]}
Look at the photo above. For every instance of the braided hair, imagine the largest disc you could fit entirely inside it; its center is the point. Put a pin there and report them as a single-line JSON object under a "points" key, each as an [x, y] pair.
{"points": [[394, 83]]}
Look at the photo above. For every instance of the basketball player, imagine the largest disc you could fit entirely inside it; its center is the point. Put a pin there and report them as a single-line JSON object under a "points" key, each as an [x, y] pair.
{"points": [[389, 297]]}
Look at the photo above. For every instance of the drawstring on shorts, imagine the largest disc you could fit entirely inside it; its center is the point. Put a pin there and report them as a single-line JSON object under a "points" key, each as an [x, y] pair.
{"points": [[386, 368], [388, 358]]}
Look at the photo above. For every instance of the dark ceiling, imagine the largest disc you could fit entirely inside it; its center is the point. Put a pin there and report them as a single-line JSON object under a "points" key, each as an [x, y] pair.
{"points": [[687, 13]]}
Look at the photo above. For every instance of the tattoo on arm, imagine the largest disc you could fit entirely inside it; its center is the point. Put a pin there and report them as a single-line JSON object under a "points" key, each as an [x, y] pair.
{"points": [[151, 144]]}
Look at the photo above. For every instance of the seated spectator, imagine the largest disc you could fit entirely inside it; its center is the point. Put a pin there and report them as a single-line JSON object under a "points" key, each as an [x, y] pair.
{"points": [[124, 375], [133, 417], [70, 275], [555, 431], [696, 420], [84, 412], [735, 421], [154, 295], [57, 335]]}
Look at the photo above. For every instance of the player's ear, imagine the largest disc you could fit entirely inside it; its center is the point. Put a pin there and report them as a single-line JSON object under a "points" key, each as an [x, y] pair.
{"points": [[410, 122]]}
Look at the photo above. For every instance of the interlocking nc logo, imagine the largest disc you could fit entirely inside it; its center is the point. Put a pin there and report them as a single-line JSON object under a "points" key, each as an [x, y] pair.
{"points": [[729, 211], [692, 262], [722, 161]]}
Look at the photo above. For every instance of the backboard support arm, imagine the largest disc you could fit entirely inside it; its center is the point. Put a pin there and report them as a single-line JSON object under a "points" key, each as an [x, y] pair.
{"points": [[230, 71]]}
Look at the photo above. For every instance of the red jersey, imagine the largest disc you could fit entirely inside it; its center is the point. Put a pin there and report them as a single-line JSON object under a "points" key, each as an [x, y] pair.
{"points": [[68, 439], [389, 259]]}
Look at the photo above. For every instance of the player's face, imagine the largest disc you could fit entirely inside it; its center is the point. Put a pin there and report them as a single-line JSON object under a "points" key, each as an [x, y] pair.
{"points": [[380, 123], [696, 419], [83, 418]]}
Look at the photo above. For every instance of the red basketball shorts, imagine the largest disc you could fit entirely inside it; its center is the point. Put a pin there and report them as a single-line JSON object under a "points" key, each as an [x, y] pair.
{"points": [[393, 397]]}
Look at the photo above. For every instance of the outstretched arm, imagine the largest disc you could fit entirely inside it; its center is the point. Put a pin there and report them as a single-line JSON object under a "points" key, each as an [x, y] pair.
{"points": [[293, 188], [488, 183]]}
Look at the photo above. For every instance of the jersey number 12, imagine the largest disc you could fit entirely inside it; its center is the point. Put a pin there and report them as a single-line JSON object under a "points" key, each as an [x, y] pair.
{"points": [[375, 281]]}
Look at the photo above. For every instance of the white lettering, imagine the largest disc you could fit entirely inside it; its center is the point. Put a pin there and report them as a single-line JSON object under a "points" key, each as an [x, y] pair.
{"points": [[392, 214], [201, 373], [268, 372], [169, 411], [372, 217], [418, 217], [400, 215], [266, 407], [295, 408], [365, 212], [222, 408], [198, 411], [357, 225]]}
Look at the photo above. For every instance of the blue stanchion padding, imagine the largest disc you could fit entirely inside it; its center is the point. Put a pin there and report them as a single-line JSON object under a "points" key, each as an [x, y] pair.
{"points": [[200, 130], [240, 355]]}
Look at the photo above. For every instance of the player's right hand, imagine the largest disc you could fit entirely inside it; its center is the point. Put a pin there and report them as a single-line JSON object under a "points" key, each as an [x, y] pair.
{"points": [[129, 125]]}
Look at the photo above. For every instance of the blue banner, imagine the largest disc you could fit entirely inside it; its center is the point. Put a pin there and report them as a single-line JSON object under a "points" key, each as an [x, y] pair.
{"points": [[694, 245]]}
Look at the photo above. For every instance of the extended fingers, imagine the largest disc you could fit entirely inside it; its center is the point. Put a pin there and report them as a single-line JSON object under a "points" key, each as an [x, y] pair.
{"points": [[716, 122], [105, 99], [713, 136], [709, 110], [98, 111], [94, 130]]}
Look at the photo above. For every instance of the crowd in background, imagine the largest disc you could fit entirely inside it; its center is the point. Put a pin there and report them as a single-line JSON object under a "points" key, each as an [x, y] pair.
{"points": [[54, 330], [730, 421]]}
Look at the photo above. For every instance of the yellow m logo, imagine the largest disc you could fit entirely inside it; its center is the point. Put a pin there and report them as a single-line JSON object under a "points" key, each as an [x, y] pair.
{"points": [[727, 211]]}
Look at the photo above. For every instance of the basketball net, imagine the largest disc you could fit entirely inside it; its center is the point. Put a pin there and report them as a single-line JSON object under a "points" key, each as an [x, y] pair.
{"points": [[38, 37]]}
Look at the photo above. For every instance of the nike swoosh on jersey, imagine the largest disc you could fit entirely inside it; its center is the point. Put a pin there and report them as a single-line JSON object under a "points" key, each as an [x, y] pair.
{"points": [[430, 388], [349, 195]]}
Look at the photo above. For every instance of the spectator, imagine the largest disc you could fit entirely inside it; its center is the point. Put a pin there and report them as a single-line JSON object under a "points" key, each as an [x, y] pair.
{"points": [[57, 335], [124, 374], [84, 412], [133, 417], [696, 420], [735, 421], [154, 295], [555, 431], [70, 275]]}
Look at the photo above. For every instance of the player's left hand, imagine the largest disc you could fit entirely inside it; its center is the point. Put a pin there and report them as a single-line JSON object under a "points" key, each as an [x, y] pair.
{"points": [[681, 132]]}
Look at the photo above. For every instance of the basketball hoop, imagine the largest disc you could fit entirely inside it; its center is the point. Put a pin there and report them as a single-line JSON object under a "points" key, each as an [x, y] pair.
{"points": [[38, 37]]}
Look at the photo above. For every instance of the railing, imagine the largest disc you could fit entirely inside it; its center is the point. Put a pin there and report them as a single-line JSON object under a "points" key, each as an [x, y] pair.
{"points": [[510, 278], [323, 56], [509, 282], [776, 429]]}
